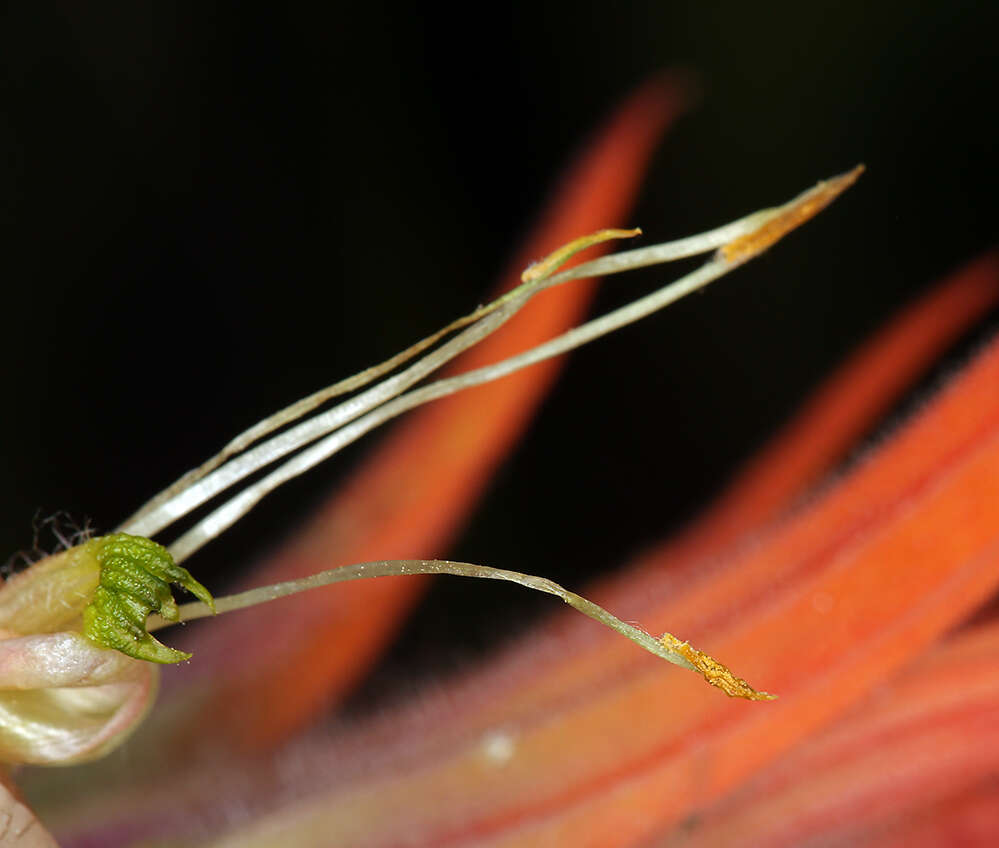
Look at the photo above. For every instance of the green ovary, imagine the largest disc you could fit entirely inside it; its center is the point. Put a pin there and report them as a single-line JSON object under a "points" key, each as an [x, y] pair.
{"points": [[135, 578]]}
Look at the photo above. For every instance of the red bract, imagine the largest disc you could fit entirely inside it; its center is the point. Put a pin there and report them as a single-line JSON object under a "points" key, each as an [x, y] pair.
{"points": [[576, 744]]}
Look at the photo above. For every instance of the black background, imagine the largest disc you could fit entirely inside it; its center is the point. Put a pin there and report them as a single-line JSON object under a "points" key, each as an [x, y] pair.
{"points": [[207, 211]]}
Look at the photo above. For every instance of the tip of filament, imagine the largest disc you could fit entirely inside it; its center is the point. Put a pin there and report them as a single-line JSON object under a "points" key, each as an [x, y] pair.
{"points": [[789, 217], [714, 672]]}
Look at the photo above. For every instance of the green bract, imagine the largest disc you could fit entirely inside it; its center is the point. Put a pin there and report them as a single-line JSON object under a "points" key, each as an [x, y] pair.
{"points": [[135, 578]]}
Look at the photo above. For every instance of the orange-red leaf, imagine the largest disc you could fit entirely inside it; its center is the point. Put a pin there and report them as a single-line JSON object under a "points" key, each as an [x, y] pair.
{"points": [[820, 609]]}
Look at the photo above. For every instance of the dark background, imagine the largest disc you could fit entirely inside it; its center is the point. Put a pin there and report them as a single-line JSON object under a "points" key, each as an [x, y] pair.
{"points": [[208, 211]]}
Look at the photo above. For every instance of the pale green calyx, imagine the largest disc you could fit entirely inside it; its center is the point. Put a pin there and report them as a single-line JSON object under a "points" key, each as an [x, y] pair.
{"points": [[135, 578]]}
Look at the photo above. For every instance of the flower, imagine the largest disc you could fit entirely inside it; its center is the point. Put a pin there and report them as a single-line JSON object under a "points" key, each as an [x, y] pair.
{"points": [[840, 601]]}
